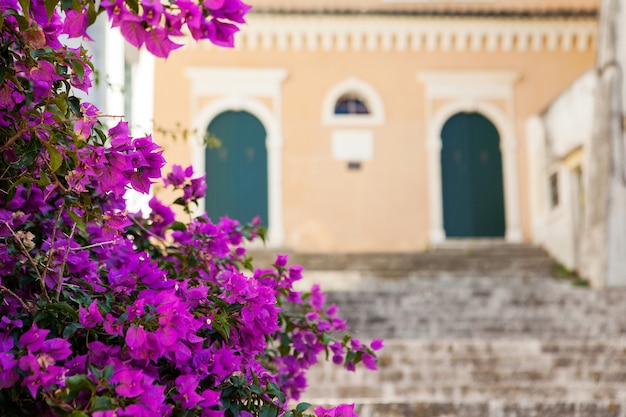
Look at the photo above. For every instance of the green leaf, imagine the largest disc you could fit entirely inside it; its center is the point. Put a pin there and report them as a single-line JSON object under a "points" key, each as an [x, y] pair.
{"points": [[302, 407], [350, 356], [102, 403], [61, 102], [133, 5], [22, 22], [180, 226], [80, 222], [50, 6], [268, 410], [74, 103], [64, 307], [107, 372], [78, 413], [55, 157], [79, 69], [3, 70], [92, 13], [25, 6], [43, 180], [71, 329], [77, 383]]}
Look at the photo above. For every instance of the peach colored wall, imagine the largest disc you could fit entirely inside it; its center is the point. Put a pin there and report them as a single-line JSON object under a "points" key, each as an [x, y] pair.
{"points": [[383, 206], [456, 5]]}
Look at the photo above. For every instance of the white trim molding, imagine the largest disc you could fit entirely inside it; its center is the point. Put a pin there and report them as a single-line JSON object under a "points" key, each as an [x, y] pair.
{"points": [[406, 33], [240, 89], [472, 91], [353, 85]]}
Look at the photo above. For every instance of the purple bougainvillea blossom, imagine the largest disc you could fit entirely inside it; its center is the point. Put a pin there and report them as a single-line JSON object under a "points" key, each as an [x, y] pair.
{"points": [[129, 381], [90, 317], [186, 386], [101, 308], [8, 377], [75, 25], [33, 338]]}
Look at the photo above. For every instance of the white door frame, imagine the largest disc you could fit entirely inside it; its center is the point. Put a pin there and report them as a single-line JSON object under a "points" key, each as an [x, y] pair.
{"points": [[472, 91], [240, 89]]}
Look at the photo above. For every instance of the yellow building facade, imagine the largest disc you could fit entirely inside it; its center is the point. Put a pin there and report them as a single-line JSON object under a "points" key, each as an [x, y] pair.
{"points": [[381, 126]]}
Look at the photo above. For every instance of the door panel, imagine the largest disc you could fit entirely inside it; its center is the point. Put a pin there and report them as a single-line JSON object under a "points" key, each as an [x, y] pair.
{"points": [[236, 171], [471, 168]]}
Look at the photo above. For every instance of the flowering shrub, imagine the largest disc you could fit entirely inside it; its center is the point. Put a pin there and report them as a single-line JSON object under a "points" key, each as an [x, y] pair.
{"points": [[106, 313]]}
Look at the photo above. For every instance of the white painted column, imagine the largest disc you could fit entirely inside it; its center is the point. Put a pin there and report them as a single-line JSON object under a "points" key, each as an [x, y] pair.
{"points": [[276, 232], [433, 145], [535, 137], [143, 94], [114, 75], [511, 197]]}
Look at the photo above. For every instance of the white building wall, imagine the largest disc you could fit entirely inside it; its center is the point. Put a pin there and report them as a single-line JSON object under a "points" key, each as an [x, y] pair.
{"points": [[555, 138]]}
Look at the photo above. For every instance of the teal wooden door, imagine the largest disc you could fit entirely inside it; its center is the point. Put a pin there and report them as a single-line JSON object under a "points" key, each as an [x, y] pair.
{"points": [[471, 173], [236, 171]]}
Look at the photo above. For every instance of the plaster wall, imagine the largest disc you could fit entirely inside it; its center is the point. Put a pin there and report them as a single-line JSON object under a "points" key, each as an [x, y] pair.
{"points": [[383, 206], [561, 134]]}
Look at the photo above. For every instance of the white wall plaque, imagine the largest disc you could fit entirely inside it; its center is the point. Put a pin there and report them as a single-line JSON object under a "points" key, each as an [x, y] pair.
{"points": [[353, 144]]}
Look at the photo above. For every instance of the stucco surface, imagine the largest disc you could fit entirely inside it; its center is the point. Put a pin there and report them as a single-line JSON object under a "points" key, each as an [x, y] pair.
{"points": [[383, 206]]}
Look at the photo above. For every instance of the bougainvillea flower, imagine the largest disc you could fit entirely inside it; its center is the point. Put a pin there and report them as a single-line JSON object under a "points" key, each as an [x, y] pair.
{"points": [[194, 190], [129, 382], [133, 31], [161, 215], [317, 297], [233, 10], [221, 33], [377, 344], [117, 11], [76, 365], [210, 398], [369, 361], [344, 410], [136, 410], [135, 337], [33, 339], [182, 317], [8, 377], [57, 348], [90, 317], [214, 4], [158, 42], [186, 386], [152, 11], [75, 25]]}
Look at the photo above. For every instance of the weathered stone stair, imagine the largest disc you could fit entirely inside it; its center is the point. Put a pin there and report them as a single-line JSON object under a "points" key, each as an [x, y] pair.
{"points": [[473, 330]]}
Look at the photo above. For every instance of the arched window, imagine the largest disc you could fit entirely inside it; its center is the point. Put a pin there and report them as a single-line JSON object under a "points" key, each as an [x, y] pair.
{"points": [[351, 103]]}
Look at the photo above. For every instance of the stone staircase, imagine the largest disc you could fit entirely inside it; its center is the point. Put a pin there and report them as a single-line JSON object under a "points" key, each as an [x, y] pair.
{"points": [[478, 329]]}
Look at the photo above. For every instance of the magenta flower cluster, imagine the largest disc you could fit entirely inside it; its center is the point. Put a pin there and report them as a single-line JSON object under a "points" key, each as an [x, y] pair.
{"points": [[108, 313], [154, 24]]}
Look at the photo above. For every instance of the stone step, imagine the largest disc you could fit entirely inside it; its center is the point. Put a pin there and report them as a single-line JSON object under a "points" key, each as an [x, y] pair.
{"points": [[485, 331], [489, 308], [494, 259], [470, 370], [553, 408]]}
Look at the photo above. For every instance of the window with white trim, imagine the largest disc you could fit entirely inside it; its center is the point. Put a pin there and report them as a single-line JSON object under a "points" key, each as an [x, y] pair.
{"points": [[351, 103]]}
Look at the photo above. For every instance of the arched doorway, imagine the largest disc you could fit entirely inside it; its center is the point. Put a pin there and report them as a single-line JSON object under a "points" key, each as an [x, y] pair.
{"points": [[236, 169], [471, 177]]}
